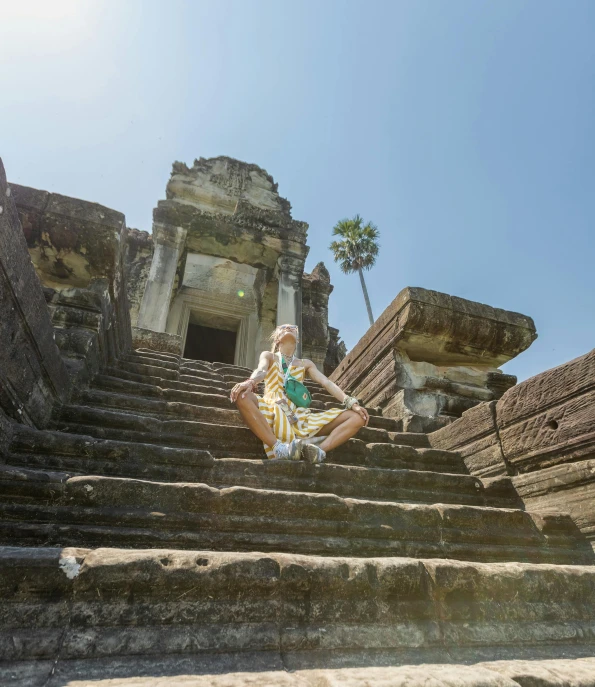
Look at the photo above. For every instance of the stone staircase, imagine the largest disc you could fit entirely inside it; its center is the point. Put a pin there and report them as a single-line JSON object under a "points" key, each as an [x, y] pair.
{"points": [[144, 538]]}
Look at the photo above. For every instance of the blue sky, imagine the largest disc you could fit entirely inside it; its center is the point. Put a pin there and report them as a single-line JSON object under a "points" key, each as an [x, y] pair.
{"points": [[463, 128]]}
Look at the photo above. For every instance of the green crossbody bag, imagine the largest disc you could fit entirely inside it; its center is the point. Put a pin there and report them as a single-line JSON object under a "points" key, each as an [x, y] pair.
{"points": [[296, 391]]}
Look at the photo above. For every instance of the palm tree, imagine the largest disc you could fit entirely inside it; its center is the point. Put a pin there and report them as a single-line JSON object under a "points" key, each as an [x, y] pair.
{"points": [[357, 250]]}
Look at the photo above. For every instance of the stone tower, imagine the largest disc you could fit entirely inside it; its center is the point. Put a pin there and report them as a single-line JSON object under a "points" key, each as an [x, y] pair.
{"points": [[228, 259]]}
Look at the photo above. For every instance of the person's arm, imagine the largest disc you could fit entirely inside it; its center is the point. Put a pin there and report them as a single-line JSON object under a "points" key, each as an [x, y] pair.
{"points": [[317, 376], [255, 378]]}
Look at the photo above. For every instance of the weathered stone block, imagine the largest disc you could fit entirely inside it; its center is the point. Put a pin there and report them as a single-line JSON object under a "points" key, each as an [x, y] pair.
{"points": [[71, 241], [32, 375], [438, 328], [475, 437], [550, 418], [434, 355], [156, 341], [562, 488], [78, 249], [115, 603]]}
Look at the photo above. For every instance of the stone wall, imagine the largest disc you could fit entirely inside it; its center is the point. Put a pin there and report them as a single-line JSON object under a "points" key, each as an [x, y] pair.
{"points": [[431, 356], [78, 250], [33, 377], [542, 433]]}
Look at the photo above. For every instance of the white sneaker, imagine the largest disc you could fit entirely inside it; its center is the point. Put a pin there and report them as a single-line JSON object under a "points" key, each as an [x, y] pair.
{"points": [[289, 451], [313, 453]]}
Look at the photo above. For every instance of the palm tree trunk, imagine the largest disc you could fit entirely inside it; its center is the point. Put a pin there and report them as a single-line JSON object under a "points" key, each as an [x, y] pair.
{"points": [[365, 290]]}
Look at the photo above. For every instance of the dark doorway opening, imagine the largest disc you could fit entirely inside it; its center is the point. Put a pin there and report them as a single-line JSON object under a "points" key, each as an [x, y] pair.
{"points": [[212, 345]]}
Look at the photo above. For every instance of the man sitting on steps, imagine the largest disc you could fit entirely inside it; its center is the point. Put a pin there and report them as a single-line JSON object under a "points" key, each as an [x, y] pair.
{"points": [[290, 432]]}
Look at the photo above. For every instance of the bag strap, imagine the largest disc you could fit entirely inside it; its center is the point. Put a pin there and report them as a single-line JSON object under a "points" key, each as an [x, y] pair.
{"points": [[287, 375]]}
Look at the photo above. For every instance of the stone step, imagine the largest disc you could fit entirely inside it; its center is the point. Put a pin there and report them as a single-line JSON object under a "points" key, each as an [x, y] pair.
{"points": [[80, 454], [144, 390], [417, 439], [220, 440], [232, 379], [158, 355], [114, 614], [321, 400], [398, 457], [232, 369], [155, 368], [219, 427], [86, 454], [384, 423], [402, 486], [96, 510], [231, 374], [199, 370], [118, 373], [137, 385], [145, 369], [173, 404], [168, 404], [197, 365], [135, 358], [226, 441], [203, 378], [273, 668], [327, 399]]}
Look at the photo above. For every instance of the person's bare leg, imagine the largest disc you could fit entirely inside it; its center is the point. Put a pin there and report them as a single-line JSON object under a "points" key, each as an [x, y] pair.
{"points": [[256, 421], [340, 430]]}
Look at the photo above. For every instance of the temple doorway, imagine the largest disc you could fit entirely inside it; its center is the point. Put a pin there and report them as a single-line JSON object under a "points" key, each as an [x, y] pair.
{"points": [[212, 345]]}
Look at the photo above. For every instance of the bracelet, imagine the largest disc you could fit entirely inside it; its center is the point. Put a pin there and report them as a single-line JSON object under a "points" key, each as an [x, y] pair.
{"points": [[349, 402]]}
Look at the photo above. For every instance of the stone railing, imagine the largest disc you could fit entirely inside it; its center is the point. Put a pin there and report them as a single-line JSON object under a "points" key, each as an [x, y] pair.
{"points": [[542, 434], [33, 376], [78, 251], [63, 299], [431, 356]]}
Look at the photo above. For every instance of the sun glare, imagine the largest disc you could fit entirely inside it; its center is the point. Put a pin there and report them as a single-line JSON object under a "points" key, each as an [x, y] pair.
{"points": [[40, 9]]}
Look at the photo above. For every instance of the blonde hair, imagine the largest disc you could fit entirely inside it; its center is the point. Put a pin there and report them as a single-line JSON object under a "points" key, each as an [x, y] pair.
{"points": [[279, 331]]}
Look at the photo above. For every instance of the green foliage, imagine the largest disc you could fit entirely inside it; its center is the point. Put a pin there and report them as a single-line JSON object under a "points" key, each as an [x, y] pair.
{"points": [[358, 245]]}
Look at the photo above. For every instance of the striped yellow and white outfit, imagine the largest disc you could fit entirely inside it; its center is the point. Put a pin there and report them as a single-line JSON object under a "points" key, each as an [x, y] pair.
{"points": [[308, 424]]}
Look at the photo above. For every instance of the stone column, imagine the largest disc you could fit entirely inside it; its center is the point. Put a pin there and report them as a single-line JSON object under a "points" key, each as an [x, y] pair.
{"points": [[169, 243], [316, 289], [289, 299]]}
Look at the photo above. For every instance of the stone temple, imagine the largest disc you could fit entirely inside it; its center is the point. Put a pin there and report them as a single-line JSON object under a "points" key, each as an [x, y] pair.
{"points": [[145, 540], [224, 265]]}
